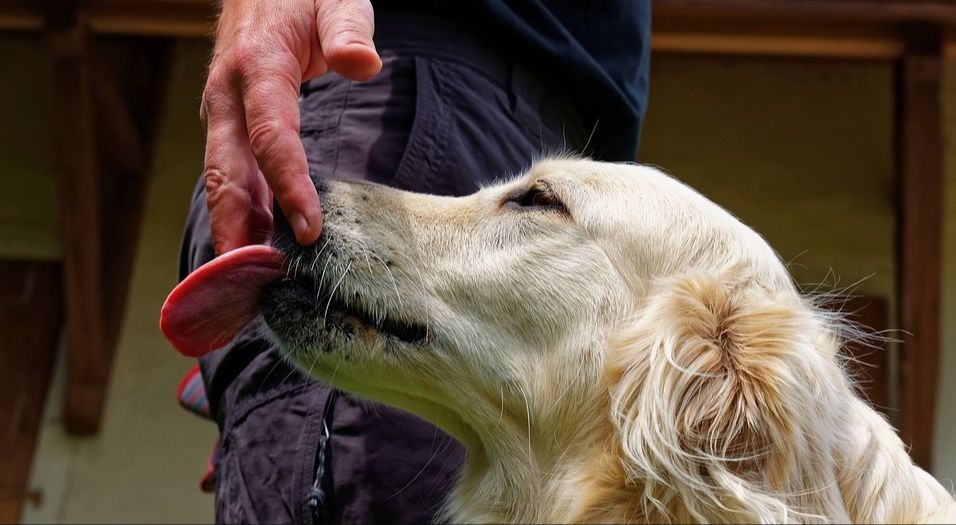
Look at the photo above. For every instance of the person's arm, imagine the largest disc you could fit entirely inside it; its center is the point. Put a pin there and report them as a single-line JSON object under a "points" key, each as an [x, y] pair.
{"points": [[250, 109]]}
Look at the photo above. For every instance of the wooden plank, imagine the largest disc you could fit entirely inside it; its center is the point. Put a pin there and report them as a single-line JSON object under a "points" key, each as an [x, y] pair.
{"points": [[844, 29], [803, 45], [123, 166], [183, 20], [938, 11], [134, 115], [104, 130], [31, 314], [746, 34], [120, 146], [21, 15], [851, 29], [920, 165], [88, 360]]}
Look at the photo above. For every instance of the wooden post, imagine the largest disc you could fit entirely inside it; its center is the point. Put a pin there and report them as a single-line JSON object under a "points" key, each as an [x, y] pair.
{"points": [[30, 305], [88, 359], [920, 163], [104, 125]]}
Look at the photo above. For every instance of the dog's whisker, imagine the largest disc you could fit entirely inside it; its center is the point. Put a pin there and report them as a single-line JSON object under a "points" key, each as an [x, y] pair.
{"points": [[292, 371], [527, 406], [268, 374], [501, 412], [325, 267], [315, 260], [368, 262], [315, 360], [332, 293], [398, 296], [418, 474], [425, 302]]}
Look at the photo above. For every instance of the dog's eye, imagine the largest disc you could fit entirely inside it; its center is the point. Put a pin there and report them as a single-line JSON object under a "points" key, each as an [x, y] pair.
{"points": [[539, 197]]}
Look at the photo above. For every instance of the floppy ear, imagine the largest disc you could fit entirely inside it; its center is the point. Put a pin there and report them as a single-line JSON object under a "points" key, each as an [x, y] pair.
{"points": [[715, 392]]}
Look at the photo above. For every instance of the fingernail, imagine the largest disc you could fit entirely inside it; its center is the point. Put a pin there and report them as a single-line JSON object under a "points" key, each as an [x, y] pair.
{"points": [[299, 224]]}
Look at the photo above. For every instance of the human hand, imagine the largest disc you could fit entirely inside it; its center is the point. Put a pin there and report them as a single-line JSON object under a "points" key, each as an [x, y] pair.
{"points": [[250, 109]]}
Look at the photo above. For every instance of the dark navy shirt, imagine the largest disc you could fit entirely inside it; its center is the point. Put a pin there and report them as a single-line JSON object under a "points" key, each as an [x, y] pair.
{"points": [[597, 51]]}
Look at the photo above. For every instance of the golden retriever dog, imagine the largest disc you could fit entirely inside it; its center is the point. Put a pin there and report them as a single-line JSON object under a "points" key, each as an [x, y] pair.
{"points": [[608, 344]]}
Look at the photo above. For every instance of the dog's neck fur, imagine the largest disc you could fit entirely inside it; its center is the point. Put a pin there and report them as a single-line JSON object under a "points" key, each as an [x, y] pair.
{"points": [[575, 474], [555, 480]]}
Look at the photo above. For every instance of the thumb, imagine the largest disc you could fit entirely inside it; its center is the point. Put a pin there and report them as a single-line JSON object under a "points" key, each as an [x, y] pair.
{"points": [[345, 30]]}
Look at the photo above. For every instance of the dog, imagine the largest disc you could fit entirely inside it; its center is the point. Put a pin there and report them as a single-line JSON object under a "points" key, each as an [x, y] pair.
{"points": [[608, 344]]}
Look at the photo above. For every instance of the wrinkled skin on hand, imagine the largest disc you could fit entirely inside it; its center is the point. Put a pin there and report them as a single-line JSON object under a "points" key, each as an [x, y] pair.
{"points": [[250, 110]]}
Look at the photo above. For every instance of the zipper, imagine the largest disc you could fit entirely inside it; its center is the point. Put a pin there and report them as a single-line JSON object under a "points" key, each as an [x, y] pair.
{"points": [[316, 498]]}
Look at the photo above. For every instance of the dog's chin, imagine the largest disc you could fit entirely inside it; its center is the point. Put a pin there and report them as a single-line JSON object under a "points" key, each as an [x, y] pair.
{"points": [[306, 319]]}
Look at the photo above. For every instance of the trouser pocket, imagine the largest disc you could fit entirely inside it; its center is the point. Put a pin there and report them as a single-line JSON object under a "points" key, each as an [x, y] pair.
{"points": [[269, 456]]}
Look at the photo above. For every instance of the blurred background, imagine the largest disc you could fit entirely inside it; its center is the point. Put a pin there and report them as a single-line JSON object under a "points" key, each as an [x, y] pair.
{"points": [[827, 125]]}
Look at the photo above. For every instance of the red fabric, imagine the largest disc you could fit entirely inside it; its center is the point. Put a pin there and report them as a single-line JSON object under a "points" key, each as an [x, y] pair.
{"points": [[208, 482], [192, 396], [191, 393]]}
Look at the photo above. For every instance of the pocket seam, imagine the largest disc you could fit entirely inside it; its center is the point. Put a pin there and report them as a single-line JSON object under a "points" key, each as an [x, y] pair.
{"points": [[425, 149]]}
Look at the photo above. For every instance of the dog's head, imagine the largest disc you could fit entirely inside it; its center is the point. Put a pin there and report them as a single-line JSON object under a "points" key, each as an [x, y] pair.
{"points": [[502, 302], [526, 308], [583, 310]]}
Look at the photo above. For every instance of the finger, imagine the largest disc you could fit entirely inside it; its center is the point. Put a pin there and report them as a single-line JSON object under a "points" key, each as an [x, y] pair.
{"points": [[271, 103], [236, 194], [345, 33]]}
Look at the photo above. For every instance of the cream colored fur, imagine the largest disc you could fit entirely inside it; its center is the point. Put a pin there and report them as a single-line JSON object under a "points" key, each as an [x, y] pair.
{"points": [[644, 357]]}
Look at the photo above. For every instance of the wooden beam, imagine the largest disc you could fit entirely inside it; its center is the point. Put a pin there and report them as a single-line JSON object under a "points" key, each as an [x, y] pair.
{"points": [[120, 146], [21, 15], [104, 133], [155, 18], [121, 149], [31, 311], [841, 29], [849, 29], [133, 121], [88, 358], [940, 12], [919, 146], [728, 34]]}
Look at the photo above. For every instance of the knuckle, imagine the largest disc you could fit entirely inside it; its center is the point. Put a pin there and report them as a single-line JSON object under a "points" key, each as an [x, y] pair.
{"points": [[348, 18], [351, 27], [224, 196], [265, 137], [214, 94], [237, 60], [216, 83], [246, 57], [214, 179]]}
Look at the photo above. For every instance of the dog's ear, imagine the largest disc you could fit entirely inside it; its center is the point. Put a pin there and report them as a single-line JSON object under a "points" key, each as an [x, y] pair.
{"points": [[713, 390]]}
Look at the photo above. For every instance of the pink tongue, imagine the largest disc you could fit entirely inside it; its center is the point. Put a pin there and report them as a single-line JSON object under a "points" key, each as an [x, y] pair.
{"points": [[207, 309]]}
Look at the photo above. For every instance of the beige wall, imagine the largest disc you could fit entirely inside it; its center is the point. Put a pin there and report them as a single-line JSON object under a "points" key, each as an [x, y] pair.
{"points": [[802, 151], [28, 215], [944, 463]]}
